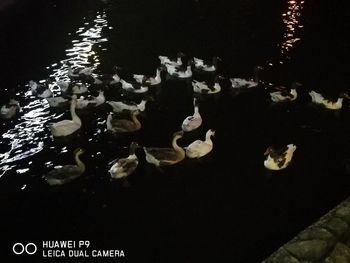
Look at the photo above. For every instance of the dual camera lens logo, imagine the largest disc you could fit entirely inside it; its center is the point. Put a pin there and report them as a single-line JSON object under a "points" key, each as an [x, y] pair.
{"points": [[29, 249]]}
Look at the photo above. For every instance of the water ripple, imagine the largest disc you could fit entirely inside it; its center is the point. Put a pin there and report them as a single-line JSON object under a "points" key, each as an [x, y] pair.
{"points": [[29, 135]]}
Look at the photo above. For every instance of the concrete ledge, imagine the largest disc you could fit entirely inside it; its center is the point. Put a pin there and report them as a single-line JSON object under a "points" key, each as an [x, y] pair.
{"points": [[327, 240]]}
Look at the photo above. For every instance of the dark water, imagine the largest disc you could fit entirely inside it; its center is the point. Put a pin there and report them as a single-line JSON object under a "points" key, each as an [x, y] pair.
{"points": [[226, 207]]}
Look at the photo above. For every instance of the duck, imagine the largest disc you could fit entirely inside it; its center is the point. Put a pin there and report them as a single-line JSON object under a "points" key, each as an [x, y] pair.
{"points": [[199, 64], [279, 159], [198, 148], [319, 99], [67, 127], [164, 60], [204, 88], [152, 81], [132, 88], [74, 88], [237, 83], [123, 167], [109, 79], [119, 106], [180, 72], [166, 156], [59, 101], [94, 102], [66, 173], [9, 110], [123, 125], [39, 90], [285, 95], [79, 73], [191, 123]]}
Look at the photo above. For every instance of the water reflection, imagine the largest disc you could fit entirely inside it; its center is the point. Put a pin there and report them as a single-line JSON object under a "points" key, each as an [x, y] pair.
{"points": [[291, 20], [30, 134], [81, 54]]}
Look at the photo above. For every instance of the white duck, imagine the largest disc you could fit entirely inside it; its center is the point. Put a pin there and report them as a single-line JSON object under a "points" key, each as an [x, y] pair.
{"points": [[167, 61], [152, 81], [76, 88], [66, 173], [319, 99], [119, 106], [130, 87], [199, 64], [109, 79], [200, 148], [10, 109], [203, 88], [79, 72], [179, 72], [67, 127], [123, 125], [41, 91], [94, 102], [166, 156], [279, 159], [192, 122], [285, 95], [243, 83], [125, 166]]}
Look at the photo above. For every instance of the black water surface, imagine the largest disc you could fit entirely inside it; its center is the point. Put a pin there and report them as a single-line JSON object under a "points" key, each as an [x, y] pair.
{"points": [[224, 208]]}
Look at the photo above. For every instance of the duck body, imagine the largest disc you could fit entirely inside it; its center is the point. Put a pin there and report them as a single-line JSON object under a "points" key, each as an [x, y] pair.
{"points": [[125, 166], [164, 60], [123, 125], [319, 99], [192, 122], [66, 127], [79, 73], [55, 102], [238, 83], [94, 102], [9, 110], [152, 81], [41, 91], [166, 156], [179, 72], [202, 87], [74, 88], [281, 96], [119, 106], [66, 173], [132, 87], [278, 160], [199, 64], [198, 148]]}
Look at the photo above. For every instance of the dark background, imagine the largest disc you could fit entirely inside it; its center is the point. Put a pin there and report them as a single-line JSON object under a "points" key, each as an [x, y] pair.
{"points": [[225, 208]]}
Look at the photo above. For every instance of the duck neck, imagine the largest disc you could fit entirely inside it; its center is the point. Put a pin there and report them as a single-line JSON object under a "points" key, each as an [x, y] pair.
{"points": [[141, 106], [179, 150], [132, 150], [157, 78], [79, 163], [136, 120], [196, 111], [208, 138], [75, 117], [109, 119]]}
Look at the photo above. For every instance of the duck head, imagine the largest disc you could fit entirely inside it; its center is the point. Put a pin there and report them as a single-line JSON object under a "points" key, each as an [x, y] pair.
{"points": [[178, 134], [79, 151], [269, 150]]}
